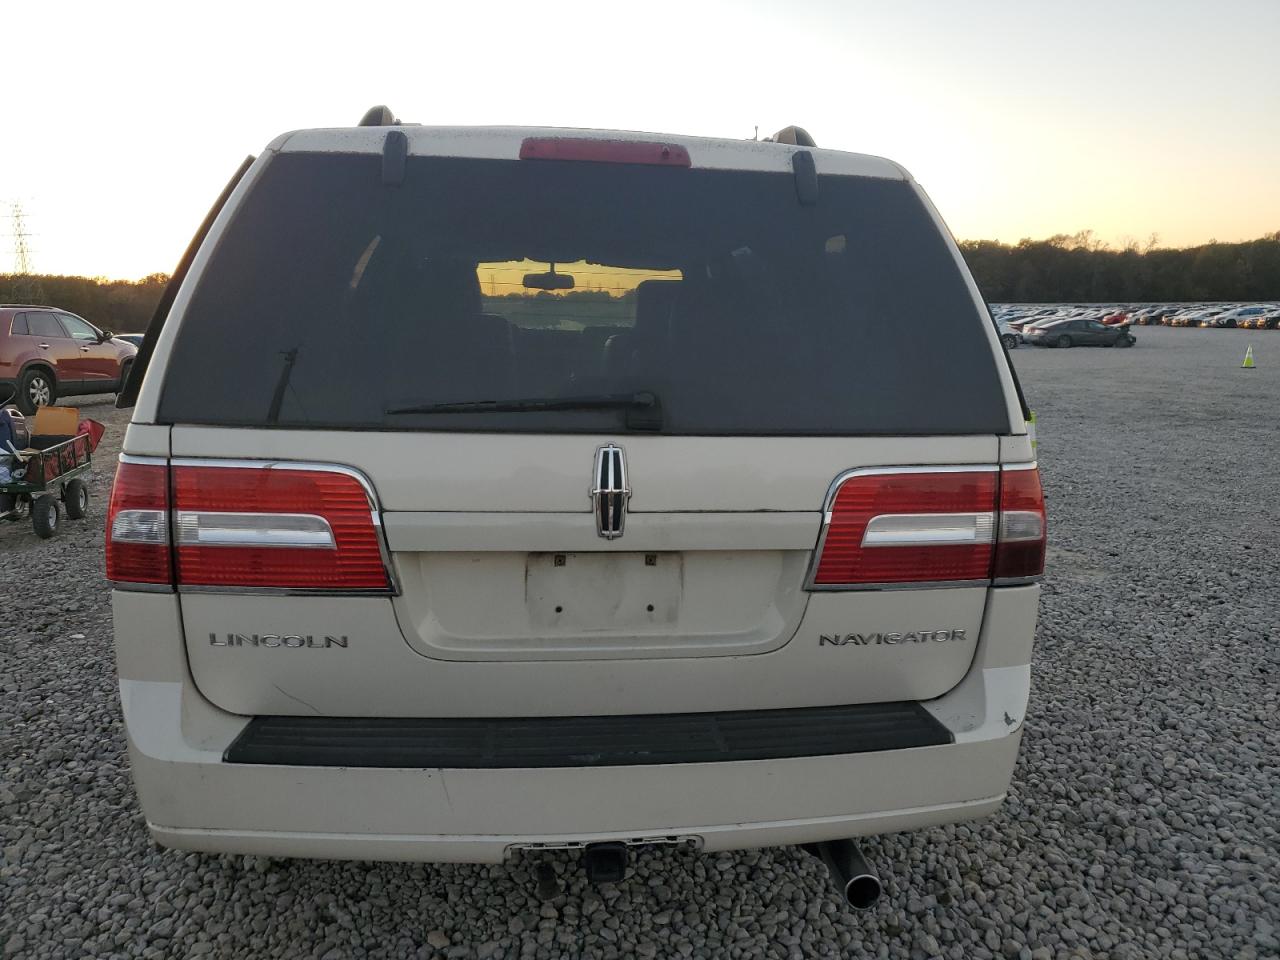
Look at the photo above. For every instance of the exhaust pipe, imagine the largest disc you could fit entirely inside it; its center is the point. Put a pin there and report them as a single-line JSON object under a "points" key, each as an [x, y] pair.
{"points": [[856, 879]]}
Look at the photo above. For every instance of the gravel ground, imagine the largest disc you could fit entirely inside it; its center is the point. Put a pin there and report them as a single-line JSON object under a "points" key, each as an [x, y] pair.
{"points": [[1141, 821]]}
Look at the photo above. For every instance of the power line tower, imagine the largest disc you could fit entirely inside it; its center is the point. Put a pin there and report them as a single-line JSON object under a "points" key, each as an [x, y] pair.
{"points": [[24, 287]]}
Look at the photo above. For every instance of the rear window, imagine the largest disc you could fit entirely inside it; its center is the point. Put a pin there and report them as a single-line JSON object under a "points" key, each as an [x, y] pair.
{"points": [[45, 325], [489, 291]]}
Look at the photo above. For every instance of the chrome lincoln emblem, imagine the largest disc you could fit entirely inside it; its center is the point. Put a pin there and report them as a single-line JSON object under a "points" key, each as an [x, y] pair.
{"points": [[610, 492]]}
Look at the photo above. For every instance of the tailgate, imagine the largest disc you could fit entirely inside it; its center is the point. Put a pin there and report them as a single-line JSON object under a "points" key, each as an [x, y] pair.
{"points": [[508, 601]]}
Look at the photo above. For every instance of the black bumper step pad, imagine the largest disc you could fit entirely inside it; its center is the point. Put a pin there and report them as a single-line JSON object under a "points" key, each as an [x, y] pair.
{"points": [[639, 740]]}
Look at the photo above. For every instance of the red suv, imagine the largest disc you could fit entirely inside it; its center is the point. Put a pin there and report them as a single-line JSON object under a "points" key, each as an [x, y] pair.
{"points": [[47, 353]]}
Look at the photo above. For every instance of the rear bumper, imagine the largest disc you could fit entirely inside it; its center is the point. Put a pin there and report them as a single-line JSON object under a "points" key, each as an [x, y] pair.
{"points": [[195, 800], [496, 848]]}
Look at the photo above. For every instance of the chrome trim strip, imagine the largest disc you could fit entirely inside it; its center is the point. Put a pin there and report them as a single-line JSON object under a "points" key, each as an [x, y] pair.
{"points": [[280, 591], [872, 587], [128, 586], [830, 498], [1017, 581], [375, 512], [212, 528], [930, 529], [1029, 465], [144, 461]]}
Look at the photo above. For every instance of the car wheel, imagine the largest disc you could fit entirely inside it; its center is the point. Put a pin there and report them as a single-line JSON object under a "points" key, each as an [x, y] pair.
{"points": [[76, 497], [36, 389], [45, 516], [1010, 341], [1062, 341], [1125, 341]]}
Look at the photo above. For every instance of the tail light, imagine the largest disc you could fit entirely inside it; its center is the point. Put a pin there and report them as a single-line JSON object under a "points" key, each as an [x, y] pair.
{"points": [[931, 525], [239, 525], [138, 524], [1020, 546]]}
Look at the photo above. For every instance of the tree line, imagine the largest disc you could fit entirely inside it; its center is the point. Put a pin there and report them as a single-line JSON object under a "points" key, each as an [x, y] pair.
{"points": [[1077, 268], [121, 306], [1073, 268]]}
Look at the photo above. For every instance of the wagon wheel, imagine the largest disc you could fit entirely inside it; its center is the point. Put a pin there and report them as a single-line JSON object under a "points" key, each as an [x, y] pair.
{"points": [[45, 516], [76, 496]]}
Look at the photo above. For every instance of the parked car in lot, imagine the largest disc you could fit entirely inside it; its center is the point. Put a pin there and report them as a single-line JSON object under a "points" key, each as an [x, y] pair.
{"points": [[1150, 315], [1269, 320], [1080, 333], [1115, 319], [47, 353], [519, 568], [1023, 322], [1010, 337], [133, 338], [1221, 317], [1049, 321]]}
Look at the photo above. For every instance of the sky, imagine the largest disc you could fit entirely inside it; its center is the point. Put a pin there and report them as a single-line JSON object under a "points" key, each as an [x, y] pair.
{"points": [[1021, 118]]}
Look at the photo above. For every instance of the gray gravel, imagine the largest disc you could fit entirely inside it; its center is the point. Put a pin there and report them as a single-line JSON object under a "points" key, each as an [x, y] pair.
{"points": [[1141, 821]]}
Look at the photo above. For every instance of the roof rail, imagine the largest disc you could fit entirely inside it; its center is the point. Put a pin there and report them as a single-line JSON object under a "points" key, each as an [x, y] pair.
{"points": [[796, 136], [379, 116]]}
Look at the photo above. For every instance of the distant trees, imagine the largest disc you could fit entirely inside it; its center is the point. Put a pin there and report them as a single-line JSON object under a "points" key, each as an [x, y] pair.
{"points": [[1075, 268], [1078, 268], [121, 306]]}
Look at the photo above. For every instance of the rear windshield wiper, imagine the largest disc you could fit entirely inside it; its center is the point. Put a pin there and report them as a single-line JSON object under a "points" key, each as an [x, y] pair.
{"points": [[643, 410]]}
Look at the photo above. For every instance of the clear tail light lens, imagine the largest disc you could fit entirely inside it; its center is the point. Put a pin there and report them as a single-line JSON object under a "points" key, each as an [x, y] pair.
{"points": [[138, 524], [916, 526]]}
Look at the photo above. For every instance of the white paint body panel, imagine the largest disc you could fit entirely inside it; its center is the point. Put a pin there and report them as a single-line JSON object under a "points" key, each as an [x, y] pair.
{"points": [[487, 622], [193, 800]]}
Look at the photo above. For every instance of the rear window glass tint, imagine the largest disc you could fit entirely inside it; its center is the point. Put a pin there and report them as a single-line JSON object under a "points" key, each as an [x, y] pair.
{"points": [[45, 325], [332, 299], [19, 325]]}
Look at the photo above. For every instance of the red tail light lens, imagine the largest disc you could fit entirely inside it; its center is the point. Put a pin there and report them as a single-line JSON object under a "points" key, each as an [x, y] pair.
{"points": [[244, 525], [932, 525], [273, 525], [138, 524], [1023, 533], [910, 527]]}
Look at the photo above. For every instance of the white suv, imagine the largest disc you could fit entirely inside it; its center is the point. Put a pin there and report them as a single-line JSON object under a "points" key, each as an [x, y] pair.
{"points": [[503, 489]]}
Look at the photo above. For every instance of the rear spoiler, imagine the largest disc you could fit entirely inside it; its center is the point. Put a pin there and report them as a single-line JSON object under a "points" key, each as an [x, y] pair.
{"points": [[128, 396]]}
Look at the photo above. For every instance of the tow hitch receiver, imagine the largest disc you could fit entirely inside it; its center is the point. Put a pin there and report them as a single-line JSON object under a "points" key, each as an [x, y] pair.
{"points": [[605, 862]]}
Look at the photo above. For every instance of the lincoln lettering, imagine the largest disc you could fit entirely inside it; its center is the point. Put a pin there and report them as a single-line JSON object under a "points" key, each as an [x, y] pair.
{"points": [[288, 641], [867, 639]]}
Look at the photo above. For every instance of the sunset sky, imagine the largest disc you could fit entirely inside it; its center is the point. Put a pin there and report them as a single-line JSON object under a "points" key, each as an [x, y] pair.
{"points": [[1020, 118]]}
